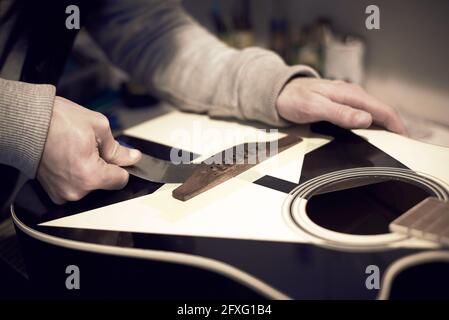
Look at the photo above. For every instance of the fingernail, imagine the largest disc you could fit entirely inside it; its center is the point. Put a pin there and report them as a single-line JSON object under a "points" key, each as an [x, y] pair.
{"points": [[135, 154], [363, 119]]}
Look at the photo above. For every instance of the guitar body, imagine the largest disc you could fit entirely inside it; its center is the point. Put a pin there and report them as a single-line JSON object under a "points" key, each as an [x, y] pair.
{"points": [[309, 223]]}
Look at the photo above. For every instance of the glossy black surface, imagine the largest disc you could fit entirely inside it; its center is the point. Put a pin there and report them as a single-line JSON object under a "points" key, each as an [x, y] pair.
{"points": [[347, 150], [299, 270], [367, 209]]}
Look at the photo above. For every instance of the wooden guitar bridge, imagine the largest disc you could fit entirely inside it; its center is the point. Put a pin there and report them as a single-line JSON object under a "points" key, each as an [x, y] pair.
{"points": [[230, 163]]}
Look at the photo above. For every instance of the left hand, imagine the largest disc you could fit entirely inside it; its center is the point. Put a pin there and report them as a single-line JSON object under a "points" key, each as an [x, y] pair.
{"points": [[306, 100]]}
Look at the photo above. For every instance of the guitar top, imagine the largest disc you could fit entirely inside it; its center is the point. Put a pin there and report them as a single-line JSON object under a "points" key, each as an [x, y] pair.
{"points": [[308, 222]]}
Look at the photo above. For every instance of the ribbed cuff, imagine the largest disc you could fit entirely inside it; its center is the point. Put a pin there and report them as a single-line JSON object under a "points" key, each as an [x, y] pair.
{"points": [[279, 84], [25, 114], [264, 77]]}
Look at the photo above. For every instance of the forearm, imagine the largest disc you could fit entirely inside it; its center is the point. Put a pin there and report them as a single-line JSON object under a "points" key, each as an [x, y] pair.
{"points": [[25, 113], [161, 46]]}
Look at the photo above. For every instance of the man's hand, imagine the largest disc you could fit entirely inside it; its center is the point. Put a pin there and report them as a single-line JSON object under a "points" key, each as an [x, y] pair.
{"points": [[305, 100], [81, 155]]}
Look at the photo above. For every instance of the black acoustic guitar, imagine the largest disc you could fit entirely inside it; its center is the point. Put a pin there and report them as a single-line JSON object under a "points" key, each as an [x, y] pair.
{"points": [[310, 223]]}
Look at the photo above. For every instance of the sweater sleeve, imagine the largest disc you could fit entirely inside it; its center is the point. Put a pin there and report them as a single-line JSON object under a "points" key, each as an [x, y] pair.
{"points": [[160, 45], [25, 114]]}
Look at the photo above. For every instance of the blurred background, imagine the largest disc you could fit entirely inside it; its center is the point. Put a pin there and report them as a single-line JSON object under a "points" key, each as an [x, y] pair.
{"points": [[405, 63]]}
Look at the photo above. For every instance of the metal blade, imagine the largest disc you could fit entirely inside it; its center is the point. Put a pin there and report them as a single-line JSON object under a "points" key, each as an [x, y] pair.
{"points": [[160, 171]]}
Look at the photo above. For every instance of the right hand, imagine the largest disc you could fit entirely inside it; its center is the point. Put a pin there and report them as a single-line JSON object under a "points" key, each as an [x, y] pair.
{"points": [[81, 155], [306, 100]]}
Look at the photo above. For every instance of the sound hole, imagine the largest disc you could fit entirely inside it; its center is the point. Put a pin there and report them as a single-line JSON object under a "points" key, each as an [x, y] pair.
{"points": [[367, 208]]}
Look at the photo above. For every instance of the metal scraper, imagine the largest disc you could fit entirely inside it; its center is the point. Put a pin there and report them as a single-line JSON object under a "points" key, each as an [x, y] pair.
{"points": [[161, 171]]}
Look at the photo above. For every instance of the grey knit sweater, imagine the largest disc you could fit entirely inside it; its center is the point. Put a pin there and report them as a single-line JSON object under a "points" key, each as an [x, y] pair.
{"points": [[157, 43]]}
